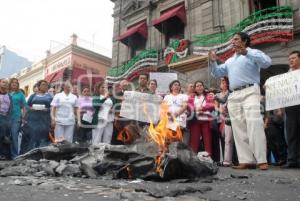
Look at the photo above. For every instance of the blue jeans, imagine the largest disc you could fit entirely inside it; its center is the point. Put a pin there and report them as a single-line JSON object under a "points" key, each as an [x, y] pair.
{"points": [[15, 129]]}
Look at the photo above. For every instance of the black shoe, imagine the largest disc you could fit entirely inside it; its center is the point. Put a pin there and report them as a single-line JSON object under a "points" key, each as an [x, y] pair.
{"points": [[281, 162], [290, 165]]}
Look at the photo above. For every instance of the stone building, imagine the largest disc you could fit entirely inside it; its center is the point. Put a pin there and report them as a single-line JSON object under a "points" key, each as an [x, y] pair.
{"points": [[175, 35]]}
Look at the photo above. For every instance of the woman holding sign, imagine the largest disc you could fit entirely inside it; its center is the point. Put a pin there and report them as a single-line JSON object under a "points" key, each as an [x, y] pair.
{"points": [[38, 116], [85, 115], [177, 103], [103, 116]]}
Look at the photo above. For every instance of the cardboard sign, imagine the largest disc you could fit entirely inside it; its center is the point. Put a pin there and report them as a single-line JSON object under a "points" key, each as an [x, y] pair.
{"points": [[283, 90], [163, 81], [135, 104]]}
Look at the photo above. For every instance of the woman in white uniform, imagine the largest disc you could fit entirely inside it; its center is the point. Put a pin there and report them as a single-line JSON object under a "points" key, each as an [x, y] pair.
{"points": [[64, 107]]}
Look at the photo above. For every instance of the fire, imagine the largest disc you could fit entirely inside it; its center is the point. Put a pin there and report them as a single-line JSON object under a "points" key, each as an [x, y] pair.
{"points": [[161, 134], [125, 136]]}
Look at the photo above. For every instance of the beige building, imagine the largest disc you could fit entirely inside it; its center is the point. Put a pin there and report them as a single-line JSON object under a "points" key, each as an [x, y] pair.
{"points": [[79, 65], [29, 76], [171, 35]]}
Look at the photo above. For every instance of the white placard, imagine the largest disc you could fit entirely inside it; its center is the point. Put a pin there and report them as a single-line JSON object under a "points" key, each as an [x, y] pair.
{"points": [[134, 104], [163, 81], [283, 90], [88, 117]]}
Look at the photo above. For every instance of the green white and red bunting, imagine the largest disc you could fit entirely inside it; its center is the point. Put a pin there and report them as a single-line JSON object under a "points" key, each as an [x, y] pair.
{"points": [[147, 59], [178, 49], [142, 64], [270, 25]]}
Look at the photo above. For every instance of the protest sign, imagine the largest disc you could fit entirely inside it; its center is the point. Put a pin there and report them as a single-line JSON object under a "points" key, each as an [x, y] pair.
{"points": [[283, 90], [163, 81], [134, 105]]}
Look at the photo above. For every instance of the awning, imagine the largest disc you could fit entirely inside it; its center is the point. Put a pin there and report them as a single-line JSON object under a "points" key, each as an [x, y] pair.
{"points": [[82, 76], [178, 12], [55, 76], [190, 64], [140, 28], [79, 75]]}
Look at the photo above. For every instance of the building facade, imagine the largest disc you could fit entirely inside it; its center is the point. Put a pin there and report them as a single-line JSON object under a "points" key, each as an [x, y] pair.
{"points": [[175, 35], [81, 66], [29, 76]]}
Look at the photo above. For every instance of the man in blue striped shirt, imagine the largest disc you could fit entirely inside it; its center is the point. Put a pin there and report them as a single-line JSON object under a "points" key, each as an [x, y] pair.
{"points": [[243, 71]]}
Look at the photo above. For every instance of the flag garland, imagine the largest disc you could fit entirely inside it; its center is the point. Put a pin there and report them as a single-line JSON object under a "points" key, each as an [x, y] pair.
{"points": [[145, 59], [269, 25]]}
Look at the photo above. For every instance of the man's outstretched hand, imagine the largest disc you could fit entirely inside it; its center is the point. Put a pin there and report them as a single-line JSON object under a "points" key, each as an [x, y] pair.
{"points": [[212, 56]]}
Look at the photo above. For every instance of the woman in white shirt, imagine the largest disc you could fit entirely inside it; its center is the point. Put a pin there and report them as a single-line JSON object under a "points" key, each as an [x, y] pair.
{"points": [[177, 103], [103, 116], [64, 107]]}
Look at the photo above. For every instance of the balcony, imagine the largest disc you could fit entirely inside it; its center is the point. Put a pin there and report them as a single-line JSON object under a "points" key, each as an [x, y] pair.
{"points": [[177, 56]]}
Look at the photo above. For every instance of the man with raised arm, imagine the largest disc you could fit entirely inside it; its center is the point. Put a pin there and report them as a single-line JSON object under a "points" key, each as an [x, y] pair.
{"points": [[243, 72]]}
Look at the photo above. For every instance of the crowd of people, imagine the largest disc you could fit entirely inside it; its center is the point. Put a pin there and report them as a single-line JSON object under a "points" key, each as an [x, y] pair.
{"points": [[228, 123]]}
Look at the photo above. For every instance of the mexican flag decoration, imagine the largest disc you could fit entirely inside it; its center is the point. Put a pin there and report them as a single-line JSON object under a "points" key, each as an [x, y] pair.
{"points": [[178, 49]]}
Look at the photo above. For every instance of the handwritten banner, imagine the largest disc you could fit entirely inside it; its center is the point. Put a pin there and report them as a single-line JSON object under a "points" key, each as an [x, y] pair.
{"points": [[135, 103], [163, 81], [283, 90]]}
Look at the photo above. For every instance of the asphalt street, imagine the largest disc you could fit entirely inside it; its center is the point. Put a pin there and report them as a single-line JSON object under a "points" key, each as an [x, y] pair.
{"points": [[227, 185]]}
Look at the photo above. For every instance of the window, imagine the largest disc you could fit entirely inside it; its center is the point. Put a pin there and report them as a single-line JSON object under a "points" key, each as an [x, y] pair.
{"points": [[256, 5], [136, 44], [173, 29], [171, 23]]}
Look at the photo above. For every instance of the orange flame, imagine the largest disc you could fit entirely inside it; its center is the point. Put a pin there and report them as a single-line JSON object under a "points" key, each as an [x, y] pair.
{"points": [[125, 136], [161, 134]]}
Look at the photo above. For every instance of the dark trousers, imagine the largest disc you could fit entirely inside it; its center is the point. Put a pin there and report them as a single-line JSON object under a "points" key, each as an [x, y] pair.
{"points": [[84, 135], [276, 142], [39, 123], [215, 135], [293, 133], [4, 137]]}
